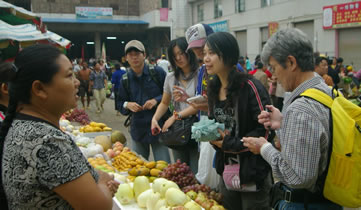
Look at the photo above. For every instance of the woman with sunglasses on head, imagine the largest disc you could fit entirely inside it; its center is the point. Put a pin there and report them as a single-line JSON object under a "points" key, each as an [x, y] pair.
{"points": [[236, 99], [41, 167]]}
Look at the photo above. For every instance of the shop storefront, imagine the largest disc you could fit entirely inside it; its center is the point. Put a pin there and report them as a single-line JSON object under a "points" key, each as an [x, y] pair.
{"points": [[346, 20]]}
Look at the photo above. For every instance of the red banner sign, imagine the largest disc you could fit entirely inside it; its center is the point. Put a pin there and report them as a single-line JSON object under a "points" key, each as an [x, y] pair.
{"points": [[163, 14], [272, 28], [342, 15]]}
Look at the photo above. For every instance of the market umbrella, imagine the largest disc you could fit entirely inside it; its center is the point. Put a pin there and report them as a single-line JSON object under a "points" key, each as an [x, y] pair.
{"points": [[15, 37], [14, 15], [58, 40]]}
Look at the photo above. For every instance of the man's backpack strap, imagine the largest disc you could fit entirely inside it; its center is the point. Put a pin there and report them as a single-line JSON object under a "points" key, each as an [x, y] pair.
{"points": [[125, 82], [319, 96], [155, 76], [126, 87]]}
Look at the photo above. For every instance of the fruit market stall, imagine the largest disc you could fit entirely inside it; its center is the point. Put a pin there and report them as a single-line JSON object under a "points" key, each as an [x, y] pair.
{"points": [[143, 184]]}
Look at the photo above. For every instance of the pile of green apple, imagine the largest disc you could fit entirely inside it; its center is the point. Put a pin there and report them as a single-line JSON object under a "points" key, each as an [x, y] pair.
{"points": [[162, 195]]}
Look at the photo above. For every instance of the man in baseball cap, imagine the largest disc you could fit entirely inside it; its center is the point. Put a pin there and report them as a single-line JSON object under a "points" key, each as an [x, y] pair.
{"points": [[196, 36], [139, 95], [134, 45]]}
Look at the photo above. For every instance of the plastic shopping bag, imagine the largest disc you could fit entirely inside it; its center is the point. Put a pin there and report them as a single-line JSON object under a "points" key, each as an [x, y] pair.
{"points": [[206, 173], [206, 130]]}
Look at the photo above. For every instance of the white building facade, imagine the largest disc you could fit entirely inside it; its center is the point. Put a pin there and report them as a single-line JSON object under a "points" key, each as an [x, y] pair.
{"points": [[251, 20]]}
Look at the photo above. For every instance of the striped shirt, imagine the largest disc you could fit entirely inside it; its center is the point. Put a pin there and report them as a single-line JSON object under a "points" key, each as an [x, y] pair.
{"points": [[304, 139]]}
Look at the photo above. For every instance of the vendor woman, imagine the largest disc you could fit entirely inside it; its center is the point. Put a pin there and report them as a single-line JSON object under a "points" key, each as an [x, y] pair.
{"points": [[41, 167]]}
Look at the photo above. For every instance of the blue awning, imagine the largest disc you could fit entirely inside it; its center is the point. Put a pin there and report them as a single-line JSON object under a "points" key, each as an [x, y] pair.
{"points": [[104, 21]]}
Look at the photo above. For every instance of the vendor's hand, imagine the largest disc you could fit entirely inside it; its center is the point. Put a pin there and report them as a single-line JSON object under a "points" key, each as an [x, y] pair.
{"points": [[155, 127], [150, 104], [272, 119], [108, 180], [134, 107], [254, 144], [203, 106], [168, 123], [113, 186], [104, 177], [179, 94]]}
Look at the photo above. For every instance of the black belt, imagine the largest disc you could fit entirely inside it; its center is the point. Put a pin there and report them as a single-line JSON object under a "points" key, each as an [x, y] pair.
{"points": [[302, 196], [281, 192]]}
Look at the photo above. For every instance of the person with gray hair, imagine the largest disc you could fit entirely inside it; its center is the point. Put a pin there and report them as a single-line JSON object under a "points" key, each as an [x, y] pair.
{"points": [[303, 127]]}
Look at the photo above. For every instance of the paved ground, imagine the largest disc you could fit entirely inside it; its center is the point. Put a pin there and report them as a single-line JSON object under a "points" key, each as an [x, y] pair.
{"points": [[108, 116]]}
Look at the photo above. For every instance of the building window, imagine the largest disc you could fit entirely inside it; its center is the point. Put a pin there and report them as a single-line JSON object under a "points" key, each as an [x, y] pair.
{"points": [[264, 36], [164, 4], [26, 4], [240, 5], [114, 6], [266, 3], [200, 12], [217, 8], [84, 1]]}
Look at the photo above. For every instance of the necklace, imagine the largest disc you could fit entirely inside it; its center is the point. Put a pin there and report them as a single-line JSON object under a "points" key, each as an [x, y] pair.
{"points": [[189, 77]]}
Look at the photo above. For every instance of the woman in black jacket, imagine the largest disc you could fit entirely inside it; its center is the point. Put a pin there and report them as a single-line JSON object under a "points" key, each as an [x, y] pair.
{"points": [[236, 100]]}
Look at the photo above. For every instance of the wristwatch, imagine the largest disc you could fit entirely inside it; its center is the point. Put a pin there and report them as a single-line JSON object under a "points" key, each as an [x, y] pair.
{"points": [[125, 104], [177, 115]]}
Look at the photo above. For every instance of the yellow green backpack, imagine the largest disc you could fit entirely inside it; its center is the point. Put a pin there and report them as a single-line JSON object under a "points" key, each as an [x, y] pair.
{"points": [[343, 180]]}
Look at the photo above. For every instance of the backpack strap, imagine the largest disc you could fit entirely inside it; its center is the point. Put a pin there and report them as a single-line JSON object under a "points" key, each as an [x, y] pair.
{"points": [[319, 96], [125, 82], [155, 76]]}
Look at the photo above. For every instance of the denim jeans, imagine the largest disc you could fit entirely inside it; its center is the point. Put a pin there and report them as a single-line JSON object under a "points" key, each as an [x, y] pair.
{"points": [[189, 156], [160, 151], [312, 206]]}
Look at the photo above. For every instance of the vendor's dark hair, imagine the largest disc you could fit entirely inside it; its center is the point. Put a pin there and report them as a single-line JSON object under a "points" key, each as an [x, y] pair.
{"points": [[4, 78], [37, 62], [181, 42], [226, 47]]}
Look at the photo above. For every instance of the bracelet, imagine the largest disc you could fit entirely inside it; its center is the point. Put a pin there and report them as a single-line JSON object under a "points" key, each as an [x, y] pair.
{"points": [[177, 115]]}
